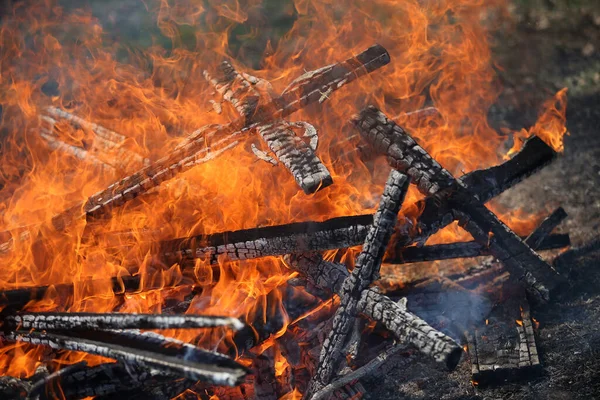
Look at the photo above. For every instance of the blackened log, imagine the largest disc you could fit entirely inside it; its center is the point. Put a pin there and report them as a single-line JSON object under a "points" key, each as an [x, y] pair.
{"points": [[297, 237], [485, 185], [264, 381], [364, 274], [16, 299], [404, 154], [127, 347], [520, 260], [407, 327], [104, 321], [401, 150], [108, 379], [306, 168], [448, 251], [536, 239]]}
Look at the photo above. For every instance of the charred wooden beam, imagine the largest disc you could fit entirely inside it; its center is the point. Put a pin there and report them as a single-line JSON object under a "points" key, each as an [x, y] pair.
{"points": [[235, 89], [139, 349], [105, 141], [364, 274], [449, 251], [302, 94], [306, 168], [16, 299], [404, 154], [108, 379], [542, 233], [107, 321], [407, 327], [109, 138], [297, 237]]}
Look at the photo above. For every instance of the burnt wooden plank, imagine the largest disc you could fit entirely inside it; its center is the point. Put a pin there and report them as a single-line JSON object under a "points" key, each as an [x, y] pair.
{"points": [[504, 348]]}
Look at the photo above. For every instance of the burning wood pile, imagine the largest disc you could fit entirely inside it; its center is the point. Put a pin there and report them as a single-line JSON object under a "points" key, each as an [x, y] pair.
{"points": [[322, 333]]}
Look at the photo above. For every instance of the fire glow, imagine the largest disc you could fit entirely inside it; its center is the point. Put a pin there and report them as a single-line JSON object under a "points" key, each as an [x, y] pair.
{"points": [[154, 97]]}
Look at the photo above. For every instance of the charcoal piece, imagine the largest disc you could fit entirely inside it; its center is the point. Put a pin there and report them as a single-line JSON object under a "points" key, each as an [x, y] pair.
{"points": [[264, 381], [466, 250], [306, 168], [42, 385]]}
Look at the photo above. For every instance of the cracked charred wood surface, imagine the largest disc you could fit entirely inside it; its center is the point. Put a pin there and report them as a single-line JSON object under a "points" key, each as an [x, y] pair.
{"points": [[108, 379], [351, 231], [235, 89], [99, 321], [523, 263], [407, 327], [304, 165], [300, 237], [365, 272], [404, 154], [41, 385], [141, 349]]}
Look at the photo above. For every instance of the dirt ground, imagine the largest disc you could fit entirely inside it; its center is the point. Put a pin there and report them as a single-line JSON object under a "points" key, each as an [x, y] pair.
{"points": [[548, 50]]}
